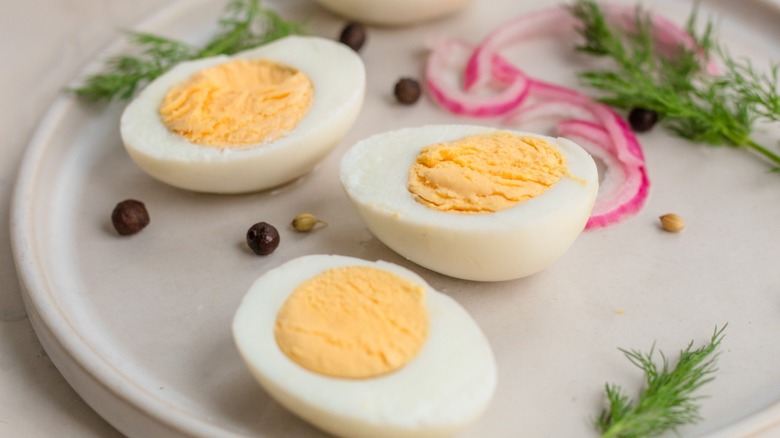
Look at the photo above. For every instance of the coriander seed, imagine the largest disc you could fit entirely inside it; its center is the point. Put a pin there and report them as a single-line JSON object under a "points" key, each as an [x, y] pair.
{"points": [[129, 217], [672, 223], [407, 91], [642, 120], [262, 238], [353, 35], [306, 222]]}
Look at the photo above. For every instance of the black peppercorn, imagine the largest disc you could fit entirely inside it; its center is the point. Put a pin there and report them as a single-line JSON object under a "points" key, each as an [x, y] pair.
{"points": [[129, 217], [407, 91], [353, 35], [642, 119], [262, 238]]}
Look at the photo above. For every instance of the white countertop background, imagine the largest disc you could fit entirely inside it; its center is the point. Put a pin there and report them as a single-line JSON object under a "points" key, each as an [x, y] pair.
{"points": [[43, 45]]}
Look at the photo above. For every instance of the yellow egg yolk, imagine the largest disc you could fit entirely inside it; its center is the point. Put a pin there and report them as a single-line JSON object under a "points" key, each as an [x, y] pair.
{"points": [[353, 322], [238, 103], [485, 173]]}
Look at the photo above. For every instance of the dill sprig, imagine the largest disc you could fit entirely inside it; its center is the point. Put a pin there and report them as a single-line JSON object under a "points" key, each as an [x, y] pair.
{"points": [[244, 24], [711, 109], [666, 402]]}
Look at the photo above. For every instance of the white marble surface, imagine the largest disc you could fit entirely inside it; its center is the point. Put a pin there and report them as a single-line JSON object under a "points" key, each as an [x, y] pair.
{"points": [[43, 44]]}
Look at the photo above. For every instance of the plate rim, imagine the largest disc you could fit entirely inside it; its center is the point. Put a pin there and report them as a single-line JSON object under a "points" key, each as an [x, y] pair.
{"points": [[111, 395]]}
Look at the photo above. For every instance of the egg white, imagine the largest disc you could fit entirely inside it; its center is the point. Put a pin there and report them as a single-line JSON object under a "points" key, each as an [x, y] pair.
{"points": [[393, 12], [443, 389], [504, 245], [338, 76]]}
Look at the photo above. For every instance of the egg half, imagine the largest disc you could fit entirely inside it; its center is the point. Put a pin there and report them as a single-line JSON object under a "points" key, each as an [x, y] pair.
{"points": [[393, 12], [521, 211], [443, 386], [247, 122]]}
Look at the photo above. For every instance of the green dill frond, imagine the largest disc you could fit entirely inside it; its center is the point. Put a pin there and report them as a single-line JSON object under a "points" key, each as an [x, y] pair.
{"points": [[244, 24], [667, 400], [719, 109]]}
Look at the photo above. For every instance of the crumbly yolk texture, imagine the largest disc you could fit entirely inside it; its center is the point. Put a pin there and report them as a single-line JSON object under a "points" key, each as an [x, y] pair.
{"points": [[485, 173], [238, 103], [353, 322]]}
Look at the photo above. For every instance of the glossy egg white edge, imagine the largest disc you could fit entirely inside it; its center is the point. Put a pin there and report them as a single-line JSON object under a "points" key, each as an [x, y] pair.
{"points": [[393, 12], [443, 389], [338, 77], [504, 245]]}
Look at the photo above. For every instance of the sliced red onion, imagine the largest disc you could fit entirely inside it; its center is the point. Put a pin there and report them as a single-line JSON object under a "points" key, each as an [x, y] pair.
{"points": [[443, 80], [557, 20], [544, 22], [624, 187]]}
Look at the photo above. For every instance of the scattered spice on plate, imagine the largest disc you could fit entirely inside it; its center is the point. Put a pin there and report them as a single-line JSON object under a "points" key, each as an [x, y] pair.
{"points": [[306, 222], [407, 91], [672, 223], [353, 35], [129, 217], [262, 238], [642, 120]]}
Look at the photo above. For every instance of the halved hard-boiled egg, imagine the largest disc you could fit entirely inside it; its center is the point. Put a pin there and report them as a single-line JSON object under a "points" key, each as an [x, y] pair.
{"points": [[472, 202], [364, 349], [247, 122], [393, 12]]}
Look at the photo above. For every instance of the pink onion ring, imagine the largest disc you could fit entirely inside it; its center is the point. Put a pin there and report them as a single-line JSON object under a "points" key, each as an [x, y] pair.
{"points": [[447, 58], [624, 188], [557, 20], [543, 22]]}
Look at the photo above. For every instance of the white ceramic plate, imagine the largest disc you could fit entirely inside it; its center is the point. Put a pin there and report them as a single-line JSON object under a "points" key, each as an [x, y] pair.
{"points": [[140, 326]]}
